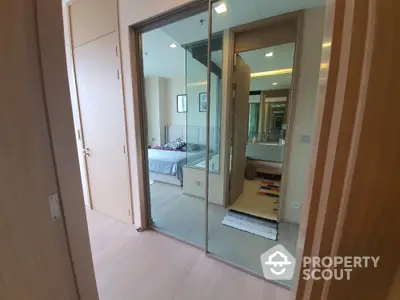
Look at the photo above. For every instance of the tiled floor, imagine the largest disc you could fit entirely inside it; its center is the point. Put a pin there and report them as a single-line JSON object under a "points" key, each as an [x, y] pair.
{"points": [[150, 266]]}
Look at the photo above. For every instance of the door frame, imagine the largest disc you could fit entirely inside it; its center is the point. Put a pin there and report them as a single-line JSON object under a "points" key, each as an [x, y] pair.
{"points": [[243, 38]]}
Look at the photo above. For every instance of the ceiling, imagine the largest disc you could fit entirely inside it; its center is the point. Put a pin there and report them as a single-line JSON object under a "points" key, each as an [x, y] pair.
{"points": [[238, 12], [161, 60], [282, 59], [158, 58]]}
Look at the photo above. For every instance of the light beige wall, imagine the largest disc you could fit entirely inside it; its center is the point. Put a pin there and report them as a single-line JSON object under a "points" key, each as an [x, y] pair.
{"points": [[303, 125], [60, 118], [157, 109], [131, 12], [174, 87], [34, 256]]}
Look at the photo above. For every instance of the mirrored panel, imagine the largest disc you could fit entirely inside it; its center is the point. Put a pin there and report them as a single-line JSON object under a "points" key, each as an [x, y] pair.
{"points": [[261, 191], [174, 90]]}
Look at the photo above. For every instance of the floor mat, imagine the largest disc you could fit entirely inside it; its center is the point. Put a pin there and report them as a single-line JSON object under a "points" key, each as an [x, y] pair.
{"points": [[254, 225], [252, 203]]}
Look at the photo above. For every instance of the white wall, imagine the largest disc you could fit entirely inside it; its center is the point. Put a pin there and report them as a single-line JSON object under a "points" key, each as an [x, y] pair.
{"points": [[304, 125], [155, 104], [174, 86]]}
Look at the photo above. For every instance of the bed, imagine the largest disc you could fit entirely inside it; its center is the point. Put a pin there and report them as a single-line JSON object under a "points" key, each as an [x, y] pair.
{"points": [[166, 165]]}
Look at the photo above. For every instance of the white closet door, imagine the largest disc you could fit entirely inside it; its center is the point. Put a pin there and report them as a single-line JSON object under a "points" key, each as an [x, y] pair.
{"points": [[103, 122]]}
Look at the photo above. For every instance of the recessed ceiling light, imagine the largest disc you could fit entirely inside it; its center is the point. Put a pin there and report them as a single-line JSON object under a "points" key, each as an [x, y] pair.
{"points": [[269, 54], [274, 83], [173, 45], [220, 8]]}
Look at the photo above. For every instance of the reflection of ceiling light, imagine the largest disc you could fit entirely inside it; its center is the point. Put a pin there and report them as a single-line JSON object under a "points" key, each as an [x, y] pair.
{"points": [[271, 73], [262, 74], [326, 45], [173, 45], [221, 8], [269, 54], [197, 83]]}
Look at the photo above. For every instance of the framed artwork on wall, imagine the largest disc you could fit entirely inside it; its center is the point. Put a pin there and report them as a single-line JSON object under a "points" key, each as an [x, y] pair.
{"points": [[181, 103], [203, 102]]}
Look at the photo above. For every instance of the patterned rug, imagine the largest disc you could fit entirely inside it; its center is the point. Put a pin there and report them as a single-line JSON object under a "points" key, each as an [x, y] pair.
{"points": [[270, 188]]}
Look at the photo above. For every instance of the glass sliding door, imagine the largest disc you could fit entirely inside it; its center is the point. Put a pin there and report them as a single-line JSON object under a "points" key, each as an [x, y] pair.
{"points": [[175, 81], [227, 147], [248, 213]]}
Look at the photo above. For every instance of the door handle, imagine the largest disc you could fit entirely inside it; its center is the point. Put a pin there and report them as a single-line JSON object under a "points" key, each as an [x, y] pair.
{"points": [[86, 151]]}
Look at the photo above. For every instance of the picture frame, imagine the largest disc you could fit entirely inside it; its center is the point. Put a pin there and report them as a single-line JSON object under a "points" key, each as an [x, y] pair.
{"points": [[202, 102], [181, 103]]}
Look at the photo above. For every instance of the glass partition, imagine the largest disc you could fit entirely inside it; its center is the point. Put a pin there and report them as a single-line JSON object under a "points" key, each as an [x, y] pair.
{"points": [[248, 219], [175, 82], [196, 83], [250, 82]]}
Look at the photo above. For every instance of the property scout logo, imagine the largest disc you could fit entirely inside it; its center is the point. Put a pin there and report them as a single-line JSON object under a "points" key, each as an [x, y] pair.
{"points": [[279, 264]]}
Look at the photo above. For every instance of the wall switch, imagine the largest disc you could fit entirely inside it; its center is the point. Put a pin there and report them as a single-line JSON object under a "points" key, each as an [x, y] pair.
{"points": [[296, 205], [305, 139], [197, 182], [55, 207]]}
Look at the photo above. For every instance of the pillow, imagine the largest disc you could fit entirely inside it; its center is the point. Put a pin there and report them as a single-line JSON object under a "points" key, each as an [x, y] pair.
{"points": [[175, 145]]}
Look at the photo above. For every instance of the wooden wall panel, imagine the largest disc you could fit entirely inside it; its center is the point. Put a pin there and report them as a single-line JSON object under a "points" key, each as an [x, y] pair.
{"points": [[358, 195], [91, 19]]}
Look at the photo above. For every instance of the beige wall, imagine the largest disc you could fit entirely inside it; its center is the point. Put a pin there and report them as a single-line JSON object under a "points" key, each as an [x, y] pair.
{"points": [[304, 125], [157, 109], [174, 87], [38, 160]]}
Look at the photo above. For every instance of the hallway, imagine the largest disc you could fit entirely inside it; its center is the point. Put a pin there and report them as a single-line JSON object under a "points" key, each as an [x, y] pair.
{"points": [[149, 266]]}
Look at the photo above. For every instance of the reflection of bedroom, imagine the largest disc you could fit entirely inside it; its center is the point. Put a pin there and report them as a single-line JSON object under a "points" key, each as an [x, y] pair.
{"points": [[176, 110], [175, 73]]}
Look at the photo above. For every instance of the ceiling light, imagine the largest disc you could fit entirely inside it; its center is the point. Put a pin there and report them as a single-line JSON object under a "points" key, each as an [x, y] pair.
{"points": [[274, 83], [269, 54], [326, 45], [173, 45], [271, 73], [221, 8]]}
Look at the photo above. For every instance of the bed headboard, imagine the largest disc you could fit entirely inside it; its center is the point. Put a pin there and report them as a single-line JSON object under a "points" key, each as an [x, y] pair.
{"points": [[172, 132], [191, 134]]}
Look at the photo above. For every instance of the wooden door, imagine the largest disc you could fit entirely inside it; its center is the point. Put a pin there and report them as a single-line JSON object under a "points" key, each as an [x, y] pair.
{"points": [[35, 261], [239, 127], [103, 125]]}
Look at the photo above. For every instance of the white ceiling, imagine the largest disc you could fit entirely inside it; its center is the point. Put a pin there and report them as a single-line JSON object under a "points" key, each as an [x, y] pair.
{"points": [[238, 12], [161, 60], [282, 59]]}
